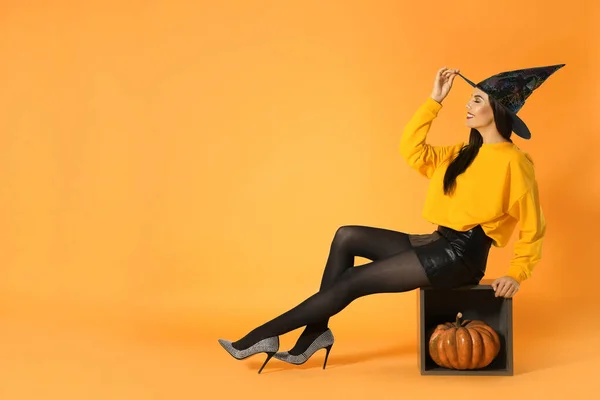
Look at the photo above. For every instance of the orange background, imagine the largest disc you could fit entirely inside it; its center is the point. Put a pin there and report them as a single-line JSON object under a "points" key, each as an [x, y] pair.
{"points": [[173, 172]]}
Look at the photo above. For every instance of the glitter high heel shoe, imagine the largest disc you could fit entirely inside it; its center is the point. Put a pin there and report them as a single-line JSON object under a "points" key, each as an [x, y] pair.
{"points": [[323, 341], [269, 345]]}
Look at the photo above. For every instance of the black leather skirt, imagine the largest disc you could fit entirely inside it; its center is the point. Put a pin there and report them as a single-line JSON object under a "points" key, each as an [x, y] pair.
{"points": [[453, 258]]}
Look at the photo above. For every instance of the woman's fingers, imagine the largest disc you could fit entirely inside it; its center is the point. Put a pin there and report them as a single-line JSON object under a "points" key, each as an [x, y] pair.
{"points": [[512, 289], [501, 288], [452, 79], [447, 70], [509, 290], [443, 82], [448, 75]]}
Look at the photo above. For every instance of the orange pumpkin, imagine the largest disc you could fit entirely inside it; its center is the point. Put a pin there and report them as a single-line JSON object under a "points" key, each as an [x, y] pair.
{"points": [[469, 344]]}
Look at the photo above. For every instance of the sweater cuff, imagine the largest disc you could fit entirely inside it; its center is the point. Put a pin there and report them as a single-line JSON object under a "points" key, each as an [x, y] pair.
{"points": [[517, 275], [433, 105]]}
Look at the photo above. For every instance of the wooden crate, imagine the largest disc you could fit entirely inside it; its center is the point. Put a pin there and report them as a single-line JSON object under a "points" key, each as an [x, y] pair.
{"points": [[437, 306]]}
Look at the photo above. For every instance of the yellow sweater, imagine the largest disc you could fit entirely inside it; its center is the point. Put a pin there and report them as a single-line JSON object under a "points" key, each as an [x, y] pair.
{"points": [[497, 191]]}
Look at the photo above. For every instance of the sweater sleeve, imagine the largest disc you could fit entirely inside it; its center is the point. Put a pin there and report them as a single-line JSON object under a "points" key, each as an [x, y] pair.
{"points": [[528, 248], [420, 155]]}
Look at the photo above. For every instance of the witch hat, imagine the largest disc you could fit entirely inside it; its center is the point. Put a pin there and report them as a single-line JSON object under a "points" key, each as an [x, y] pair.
{"points": [[512, 88]]}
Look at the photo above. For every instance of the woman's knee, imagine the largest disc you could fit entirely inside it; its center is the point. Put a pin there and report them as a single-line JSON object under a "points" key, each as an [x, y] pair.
{"points": [[345, 234]]}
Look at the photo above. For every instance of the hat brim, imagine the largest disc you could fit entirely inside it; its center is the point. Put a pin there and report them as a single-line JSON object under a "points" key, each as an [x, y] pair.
{"points": [[518, 126]]}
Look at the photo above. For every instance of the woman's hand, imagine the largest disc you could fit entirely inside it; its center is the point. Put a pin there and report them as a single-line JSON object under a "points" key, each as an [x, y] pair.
{"points": [[443, 83], [505, 286]]}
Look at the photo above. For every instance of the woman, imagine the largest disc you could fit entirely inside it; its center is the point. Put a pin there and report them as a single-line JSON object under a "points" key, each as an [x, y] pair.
{"points": [[478, 192]]}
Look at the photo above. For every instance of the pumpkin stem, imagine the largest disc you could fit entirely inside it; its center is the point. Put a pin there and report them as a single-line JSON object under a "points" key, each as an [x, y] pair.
{"points": [[458, 317]]}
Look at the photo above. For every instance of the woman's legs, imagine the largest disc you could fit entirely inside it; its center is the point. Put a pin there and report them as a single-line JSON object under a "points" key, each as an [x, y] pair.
{"points": [[349, 242], [342, 284]]}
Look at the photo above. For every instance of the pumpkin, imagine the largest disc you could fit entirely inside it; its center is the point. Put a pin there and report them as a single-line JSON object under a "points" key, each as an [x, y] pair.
{"points": [[469, 344]]}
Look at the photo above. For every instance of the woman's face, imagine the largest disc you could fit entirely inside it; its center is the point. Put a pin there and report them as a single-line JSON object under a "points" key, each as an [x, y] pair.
{"points": [[479, 110]]}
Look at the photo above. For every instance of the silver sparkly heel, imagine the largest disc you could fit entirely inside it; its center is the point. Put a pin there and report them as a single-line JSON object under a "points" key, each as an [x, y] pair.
{"points": [[323, 341], [269, 345]]}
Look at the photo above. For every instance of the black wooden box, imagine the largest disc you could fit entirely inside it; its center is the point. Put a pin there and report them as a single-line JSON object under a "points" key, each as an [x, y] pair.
{"points": [[437, 306]]}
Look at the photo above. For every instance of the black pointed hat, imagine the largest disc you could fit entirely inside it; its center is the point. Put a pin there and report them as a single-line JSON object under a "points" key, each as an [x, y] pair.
{"points": [[512, 88]]}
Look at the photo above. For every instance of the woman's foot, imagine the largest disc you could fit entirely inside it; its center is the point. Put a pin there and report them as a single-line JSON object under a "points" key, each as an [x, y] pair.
{"points": [[307, 337], [269, 346], [322, 341]]}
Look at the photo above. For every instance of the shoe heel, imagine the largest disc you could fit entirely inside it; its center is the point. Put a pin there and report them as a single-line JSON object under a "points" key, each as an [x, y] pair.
{"points": [[269, 355], [328, 348]]}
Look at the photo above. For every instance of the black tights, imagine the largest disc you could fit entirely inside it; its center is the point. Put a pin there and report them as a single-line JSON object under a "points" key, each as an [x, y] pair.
{"points": [[394, 268]]}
